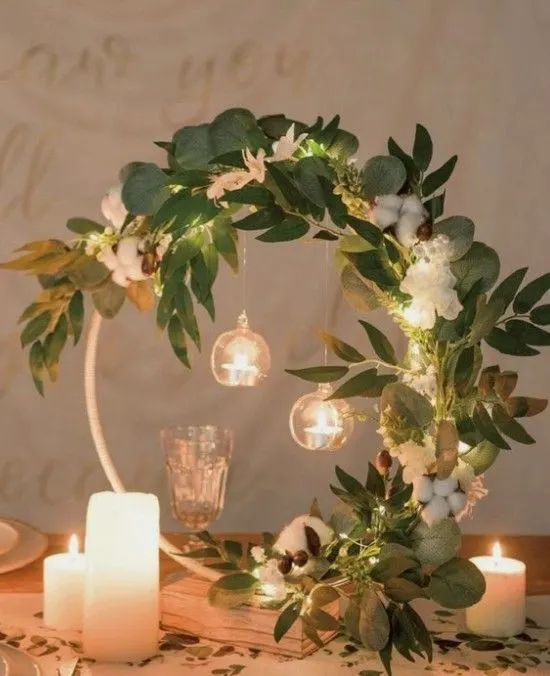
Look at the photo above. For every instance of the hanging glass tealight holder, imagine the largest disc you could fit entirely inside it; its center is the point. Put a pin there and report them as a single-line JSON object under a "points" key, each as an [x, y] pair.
{"points": [[320, 425], [240, 358]]}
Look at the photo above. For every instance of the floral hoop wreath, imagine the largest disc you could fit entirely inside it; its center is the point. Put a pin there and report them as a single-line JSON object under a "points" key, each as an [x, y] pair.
{"points": [[442, 417]]}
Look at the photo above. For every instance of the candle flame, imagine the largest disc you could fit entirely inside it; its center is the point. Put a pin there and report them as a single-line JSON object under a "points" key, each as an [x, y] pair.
{"points": [[73, 544], [497, 551]]}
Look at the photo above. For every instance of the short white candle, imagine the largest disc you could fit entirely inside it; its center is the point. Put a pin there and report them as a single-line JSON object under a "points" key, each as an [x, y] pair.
{"points": [[64, 588], [121, 601], [501, 611], [241, 372]]}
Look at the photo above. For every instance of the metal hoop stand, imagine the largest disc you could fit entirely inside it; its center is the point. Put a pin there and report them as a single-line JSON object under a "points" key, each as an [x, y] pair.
{"points": [[104, 456]]}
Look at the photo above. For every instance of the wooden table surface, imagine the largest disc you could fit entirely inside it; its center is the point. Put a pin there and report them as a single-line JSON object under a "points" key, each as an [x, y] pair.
{"points": [[534, 550]]}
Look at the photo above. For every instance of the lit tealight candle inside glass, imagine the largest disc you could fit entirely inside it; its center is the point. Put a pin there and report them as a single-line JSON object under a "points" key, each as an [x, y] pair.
{"points": [[64, 588], [241, 371], [501, 611], [323, 432]]}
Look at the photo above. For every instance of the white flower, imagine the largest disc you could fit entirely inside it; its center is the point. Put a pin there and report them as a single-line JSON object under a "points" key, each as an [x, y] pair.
{"points": [[258, 554], [112, 206], [293, 537], [125, 264], [234, 180], [286, 146], [424, 383], [430, 282], [416, 459], [406, 213], [272, 580]]}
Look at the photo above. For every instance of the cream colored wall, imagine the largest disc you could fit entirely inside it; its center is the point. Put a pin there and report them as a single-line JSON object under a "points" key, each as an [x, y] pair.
{"points": [[87, 86]]}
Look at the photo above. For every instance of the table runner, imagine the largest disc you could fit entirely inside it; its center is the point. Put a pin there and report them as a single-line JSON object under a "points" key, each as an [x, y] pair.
{"points": [[455, 651]]}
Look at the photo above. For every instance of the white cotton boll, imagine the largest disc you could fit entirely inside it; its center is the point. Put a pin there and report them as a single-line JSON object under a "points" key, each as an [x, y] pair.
{"points": [[457, 502], [406, 228], [127, 250], [112, 207], [119, 277], [393, 202], [413, 205], [108, 257], [383, 217], [423, 489], [435, 511], [445, 487]]}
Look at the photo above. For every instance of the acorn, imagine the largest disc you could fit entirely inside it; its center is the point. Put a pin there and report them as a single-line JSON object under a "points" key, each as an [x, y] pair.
{"points": [[149, 264], [285, 564], [383, 462], [300, 558], [424, 231]]}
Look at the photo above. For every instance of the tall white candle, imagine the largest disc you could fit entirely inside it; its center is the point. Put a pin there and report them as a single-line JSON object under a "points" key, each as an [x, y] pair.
{"points": [[501, 611], [64, 588], [121, 602]]}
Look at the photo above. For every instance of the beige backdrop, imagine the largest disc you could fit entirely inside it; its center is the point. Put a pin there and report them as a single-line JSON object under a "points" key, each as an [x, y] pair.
{"points": [[86, 86]]}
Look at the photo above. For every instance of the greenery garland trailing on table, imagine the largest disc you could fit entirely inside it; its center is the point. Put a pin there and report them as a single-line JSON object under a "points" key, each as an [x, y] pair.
{"points": [[395, 536]]}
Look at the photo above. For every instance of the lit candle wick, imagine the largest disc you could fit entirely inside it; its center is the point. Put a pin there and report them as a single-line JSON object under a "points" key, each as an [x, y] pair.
{"points": [[497, 554], [73, 544]]}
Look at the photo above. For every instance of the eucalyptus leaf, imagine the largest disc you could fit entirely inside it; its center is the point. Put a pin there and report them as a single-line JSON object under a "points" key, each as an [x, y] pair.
{"points": [[360, 294], [35, 328], [375, 266], [479, 264], [530, 295], [520, 407], [457, 583], [481, 456], [509, 344], [320, 374], [83, 226], [380, 344], [434, 545], [341, 349], [289, 229], [487, 428], [76, 315], [509, 426], [383, 175], [422, 148], [374, 626], [109, 299], [437, 178], [176, 337], [407, 403], [364, 384], [193, 148], [460, 231], [286, 619], [541, 315], [142, 187], [37, 364], [508, 288]]}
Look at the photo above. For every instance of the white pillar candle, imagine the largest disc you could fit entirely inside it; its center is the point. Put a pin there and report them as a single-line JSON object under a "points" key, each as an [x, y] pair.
{"points": [[121, 601], [64, 588], [501, 611]]}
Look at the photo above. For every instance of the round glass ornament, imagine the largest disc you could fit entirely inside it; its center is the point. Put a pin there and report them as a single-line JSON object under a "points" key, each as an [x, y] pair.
{"points": [[240, 358], [320, 425]]}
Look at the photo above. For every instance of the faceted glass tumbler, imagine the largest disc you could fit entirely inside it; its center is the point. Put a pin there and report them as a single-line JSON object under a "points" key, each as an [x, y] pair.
{"points": [[197, 462]]}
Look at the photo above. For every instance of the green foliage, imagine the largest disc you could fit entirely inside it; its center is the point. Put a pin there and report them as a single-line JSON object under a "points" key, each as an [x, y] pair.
{"points": [[380, 344], [460, 230], [457, 583], [319, 374], [408, 404], [437, 544], [439, 177], [142, 186], [383, 175]]}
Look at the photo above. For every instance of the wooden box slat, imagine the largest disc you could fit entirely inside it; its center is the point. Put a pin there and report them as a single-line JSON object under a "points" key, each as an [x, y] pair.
{"points": [[185, 607]]}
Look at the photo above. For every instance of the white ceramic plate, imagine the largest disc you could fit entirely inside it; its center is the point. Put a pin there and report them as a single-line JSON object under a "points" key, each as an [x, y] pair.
{"points": [[17, 663], [8, 536], [31, 544]]}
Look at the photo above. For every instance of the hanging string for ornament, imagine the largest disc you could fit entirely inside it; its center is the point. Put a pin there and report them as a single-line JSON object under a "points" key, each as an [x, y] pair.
{"points": [[315, 423], [240, 358]]}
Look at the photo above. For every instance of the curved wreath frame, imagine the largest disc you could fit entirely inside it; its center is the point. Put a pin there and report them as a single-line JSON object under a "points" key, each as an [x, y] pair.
{"points": [[395, 536]]}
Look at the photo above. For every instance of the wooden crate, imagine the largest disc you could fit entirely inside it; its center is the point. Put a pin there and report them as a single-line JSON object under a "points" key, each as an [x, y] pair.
{"points": [[185, 607]]}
